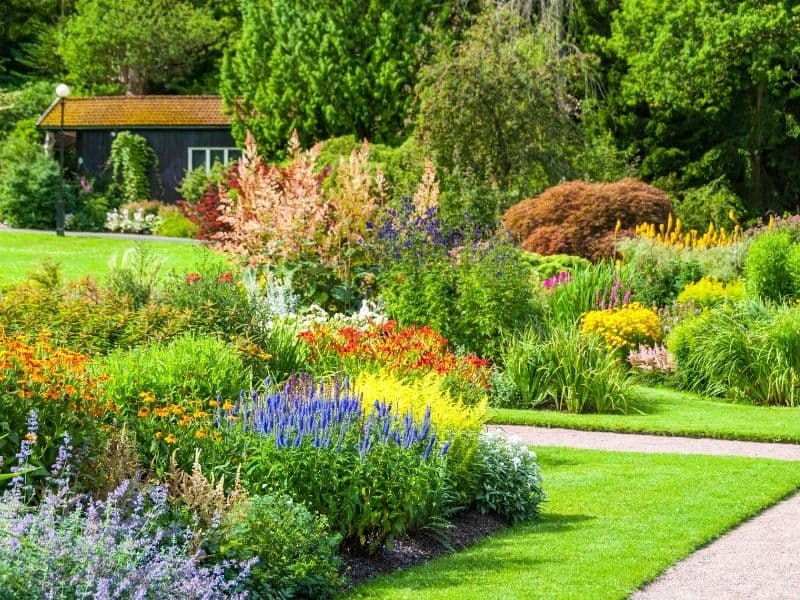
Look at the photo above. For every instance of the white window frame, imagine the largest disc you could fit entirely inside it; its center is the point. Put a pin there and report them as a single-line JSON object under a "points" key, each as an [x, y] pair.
{"points": [[208, 149]]}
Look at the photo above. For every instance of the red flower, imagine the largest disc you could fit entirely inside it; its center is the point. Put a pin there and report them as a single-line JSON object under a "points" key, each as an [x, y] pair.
{"points": [[226, 277], [193, 277]]}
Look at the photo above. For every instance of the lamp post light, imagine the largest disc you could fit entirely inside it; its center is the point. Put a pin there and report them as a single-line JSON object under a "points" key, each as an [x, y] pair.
{"points": [[62, 91]]}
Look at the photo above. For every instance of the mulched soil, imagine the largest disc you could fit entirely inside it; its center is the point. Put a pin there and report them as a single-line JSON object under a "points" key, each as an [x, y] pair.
{"points": [[468, 528]]}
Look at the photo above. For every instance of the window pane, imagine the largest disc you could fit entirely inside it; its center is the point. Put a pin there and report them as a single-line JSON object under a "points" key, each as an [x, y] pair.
{"points": [[198, 159], [234, 154], [218, 156]]}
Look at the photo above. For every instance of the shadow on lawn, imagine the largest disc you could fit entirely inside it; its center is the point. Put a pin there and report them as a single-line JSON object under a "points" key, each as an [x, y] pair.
{"points": [[499, 552]]}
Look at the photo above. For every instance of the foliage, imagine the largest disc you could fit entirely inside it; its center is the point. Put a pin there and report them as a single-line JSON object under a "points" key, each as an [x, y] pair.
{"points": [[584, 219], [169, 392], [624, 327], [56, 385], [135, 275], [206, 213], [29, 189], [134, 46], [745, 351], [701, 90], [568, 371], [196, 182], [131, 161], [174, 224], [770, 266], [497, 110], [713, 202], [385, 474], [510, 479], [567, 303], [473, 295], [353, 75], [297, 555], [549, 266], [709, 291], [69, 545], [657, 272], [83, 316]]}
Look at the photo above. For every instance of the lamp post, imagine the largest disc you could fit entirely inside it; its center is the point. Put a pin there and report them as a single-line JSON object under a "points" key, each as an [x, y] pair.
{"points": [[62, 91]]}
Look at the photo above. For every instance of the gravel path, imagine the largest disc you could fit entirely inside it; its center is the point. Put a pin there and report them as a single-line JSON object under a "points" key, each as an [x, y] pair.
{"points": [[758, 560], [634, 442]]}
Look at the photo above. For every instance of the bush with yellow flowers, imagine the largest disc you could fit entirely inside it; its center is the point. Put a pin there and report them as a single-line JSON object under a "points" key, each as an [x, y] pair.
{"points": [[452, 419], [624, 327], [56, 385], [708, 292]]}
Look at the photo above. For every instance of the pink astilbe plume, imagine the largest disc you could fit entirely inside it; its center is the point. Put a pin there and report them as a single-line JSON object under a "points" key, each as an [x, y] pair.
{"points": [[427, 194], [278, 213]]}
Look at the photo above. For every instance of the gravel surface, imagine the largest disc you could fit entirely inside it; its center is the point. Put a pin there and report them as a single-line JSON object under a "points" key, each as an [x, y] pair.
{"points": [[759, 560], [634, 442]]}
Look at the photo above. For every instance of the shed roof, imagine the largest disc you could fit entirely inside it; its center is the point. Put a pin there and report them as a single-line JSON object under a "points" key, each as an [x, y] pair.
{"points": [[112, 112]]}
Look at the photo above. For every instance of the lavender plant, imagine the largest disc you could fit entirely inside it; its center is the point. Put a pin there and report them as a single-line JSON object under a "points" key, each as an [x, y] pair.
{"points": [[384, 473], [69, 545]]}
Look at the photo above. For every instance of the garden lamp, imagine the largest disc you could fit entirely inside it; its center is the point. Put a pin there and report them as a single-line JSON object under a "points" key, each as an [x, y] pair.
{"points": [[62, 91]]}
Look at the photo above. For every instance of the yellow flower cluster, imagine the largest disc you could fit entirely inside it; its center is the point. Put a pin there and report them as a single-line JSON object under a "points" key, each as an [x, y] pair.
{"points": [[708, 291], [672, 234], [624, 327], [448, 415]]}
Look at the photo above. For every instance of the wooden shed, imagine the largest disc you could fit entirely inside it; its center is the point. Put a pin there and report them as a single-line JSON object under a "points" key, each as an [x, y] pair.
{"points": [[185, 132]]}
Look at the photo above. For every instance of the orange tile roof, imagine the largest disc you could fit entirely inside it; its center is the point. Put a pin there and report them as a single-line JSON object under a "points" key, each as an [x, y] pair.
{"points": [[136, 111]]}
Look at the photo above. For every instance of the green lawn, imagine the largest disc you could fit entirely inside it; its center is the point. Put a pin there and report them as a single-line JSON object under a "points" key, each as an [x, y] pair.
{"points": [[674, 413], [79, 256], [613, 522]]}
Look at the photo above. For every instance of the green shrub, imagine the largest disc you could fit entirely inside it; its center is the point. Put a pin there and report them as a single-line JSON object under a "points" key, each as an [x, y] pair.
{"points": [[548, 266], [745, 351], [658, 272], [510, 481], [197, 181], [29, 189], [767, 267], [90, 215], [297, 554], [187, 368], [710, 203], [82, 316], [174, 224], [567, 371], [473, 299]]}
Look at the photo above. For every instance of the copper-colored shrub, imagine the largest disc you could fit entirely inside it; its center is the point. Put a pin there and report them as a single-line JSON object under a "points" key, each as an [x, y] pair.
{"points": [[579, 218]]}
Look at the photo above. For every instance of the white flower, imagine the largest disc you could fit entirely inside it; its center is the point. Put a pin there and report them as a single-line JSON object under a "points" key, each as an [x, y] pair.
{"points": [[516, 460]]}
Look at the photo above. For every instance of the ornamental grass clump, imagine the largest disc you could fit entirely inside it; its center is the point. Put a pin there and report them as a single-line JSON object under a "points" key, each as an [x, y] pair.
{"points": [[745, 351], [384, 471], [566, 370]]}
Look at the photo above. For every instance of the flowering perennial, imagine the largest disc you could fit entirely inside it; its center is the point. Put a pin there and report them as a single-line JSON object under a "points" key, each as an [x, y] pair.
{"points": [[560, 278], [328, 417], [652, 359], [672, 234], [623, 327], [411, 350]]}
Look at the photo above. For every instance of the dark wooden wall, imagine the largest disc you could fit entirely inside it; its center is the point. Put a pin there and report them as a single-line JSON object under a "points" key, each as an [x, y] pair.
{"points": [[170, 145]]}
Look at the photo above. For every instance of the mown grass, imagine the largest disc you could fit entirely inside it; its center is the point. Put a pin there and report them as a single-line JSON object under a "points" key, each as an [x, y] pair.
{"points": [[668, 412], [20, 253], [613, 522]]}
